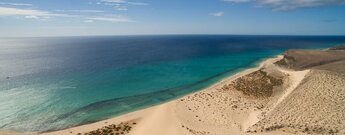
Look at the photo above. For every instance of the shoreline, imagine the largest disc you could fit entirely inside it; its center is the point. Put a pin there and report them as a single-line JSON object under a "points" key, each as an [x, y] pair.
{"points": [[139, 114]]}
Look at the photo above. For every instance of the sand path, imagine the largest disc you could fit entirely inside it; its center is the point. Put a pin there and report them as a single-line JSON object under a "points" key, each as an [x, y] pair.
{"points": [[160, 121], [296, 78]]}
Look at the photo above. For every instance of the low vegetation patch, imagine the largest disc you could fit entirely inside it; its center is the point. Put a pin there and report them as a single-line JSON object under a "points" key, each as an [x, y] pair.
{"points": [[256, 84], [120, 129]]}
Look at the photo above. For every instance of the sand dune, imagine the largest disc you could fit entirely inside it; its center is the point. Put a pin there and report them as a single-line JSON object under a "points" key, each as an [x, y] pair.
{"points": [[310, 59], [316, 107]]}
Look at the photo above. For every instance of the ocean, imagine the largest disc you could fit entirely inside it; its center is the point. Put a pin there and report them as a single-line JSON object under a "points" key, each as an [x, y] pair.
{"points": [[54, 83]]}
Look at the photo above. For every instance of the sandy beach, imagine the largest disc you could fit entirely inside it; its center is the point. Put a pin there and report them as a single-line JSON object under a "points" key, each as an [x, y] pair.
{"points": [[280, 96]]}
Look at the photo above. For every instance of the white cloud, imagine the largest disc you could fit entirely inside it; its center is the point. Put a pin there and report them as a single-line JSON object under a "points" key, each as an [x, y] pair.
{"points": [[119, 2], [217, 14], [120, 7], [114, 1], [81, 11], [138, 3], [237, 1], [112, 4], [45, 15], [41, 18], [15, 4], [88, 21], [111, 18], [31, 17], [282, 5], [7, 11]]}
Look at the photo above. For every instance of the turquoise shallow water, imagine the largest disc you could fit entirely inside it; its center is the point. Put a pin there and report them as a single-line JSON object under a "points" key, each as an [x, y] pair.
{"points": [[54, 83]]}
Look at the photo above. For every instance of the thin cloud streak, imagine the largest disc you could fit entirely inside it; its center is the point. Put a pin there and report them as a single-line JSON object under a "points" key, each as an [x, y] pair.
{"points": [[82, 11], [8, 11], [88, 21], [217, 14], [45, 15], [111, 18], [138, 3], [125, 2], [121, 5], [285, 5], [15, 4]]}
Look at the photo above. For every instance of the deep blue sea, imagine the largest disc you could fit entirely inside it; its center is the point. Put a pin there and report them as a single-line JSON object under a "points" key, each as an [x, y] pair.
{"points": [[59, 82]]}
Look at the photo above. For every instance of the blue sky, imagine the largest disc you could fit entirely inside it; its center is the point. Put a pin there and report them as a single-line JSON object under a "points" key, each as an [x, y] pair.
{"points": [[141, 17]]}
